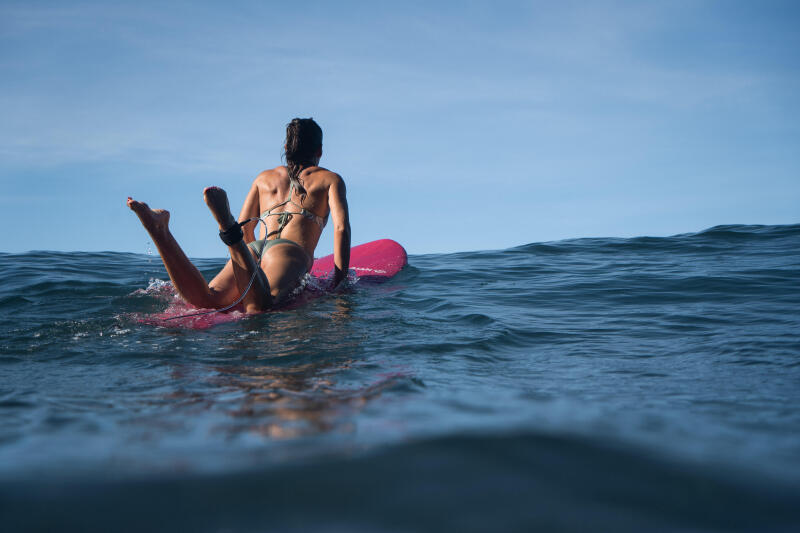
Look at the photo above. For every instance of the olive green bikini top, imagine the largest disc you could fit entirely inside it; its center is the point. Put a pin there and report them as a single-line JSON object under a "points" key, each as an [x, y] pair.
{"points": [[285, 216]]}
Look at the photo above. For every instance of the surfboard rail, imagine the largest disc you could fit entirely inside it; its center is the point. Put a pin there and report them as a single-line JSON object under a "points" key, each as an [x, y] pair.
{"points": [[375, 261]]}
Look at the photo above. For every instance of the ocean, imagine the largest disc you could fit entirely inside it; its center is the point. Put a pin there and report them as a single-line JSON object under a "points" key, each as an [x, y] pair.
{"points": [[605, 384]]}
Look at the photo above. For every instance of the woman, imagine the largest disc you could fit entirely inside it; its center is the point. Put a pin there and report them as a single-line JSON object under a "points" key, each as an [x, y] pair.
{"points": [[294, 201]]}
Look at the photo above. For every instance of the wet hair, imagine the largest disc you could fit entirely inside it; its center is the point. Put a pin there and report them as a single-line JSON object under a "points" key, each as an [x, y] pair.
{"points": [[303, 141]]}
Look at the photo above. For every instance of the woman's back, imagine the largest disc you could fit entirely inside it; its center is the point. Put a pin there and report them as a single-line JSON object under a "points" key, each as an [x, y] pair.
{"points": [[309, 212]]}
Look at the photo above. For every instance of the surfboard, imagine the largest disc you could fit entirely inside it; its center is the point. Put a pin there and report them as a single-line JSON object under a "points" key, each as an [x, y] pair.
{"points": [[374, 261]]}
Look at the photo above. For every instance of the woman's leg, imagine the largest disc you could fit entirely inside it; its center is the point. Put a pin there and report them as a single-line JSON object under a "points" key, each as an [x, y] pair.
{"points": [[186, 279], [244, 264]]}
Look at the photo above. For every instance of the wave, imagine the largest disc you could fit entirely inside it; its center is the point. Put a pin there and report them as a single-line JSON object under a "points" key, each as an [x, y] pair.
{"points": [[709, 241], [468, 482]]}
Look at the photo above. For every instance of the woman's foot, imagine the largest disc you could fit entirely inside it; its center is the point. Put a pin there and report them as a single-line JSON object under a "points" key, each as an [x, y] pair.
{"points": [[155, 221], [217, 201]]}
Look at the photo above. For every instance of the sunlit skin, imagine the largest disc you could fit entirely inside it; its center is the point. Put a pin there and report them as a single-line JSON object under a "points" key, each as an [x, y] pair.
{"points": [[282, 266]]}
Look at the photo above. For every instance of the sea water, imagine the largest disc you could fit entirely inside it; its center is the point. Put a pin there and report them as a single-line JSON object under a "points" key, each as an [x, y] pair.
{"points": [[589, 384]]}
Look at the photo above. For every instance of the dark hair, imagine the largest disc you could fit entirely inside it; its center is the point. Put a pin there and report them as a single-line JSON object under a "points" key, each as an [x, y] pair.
{"points": [[303, 141]]}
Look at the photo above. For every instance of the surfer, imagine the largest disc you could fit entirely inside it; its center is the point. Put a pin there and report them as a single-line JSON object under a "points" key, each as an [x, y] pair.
{"points": [[294, 201]]}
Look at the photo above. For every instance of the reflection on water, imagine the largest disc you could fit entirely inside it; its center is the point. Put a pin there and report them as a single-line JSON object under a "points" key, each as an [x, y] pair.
{"points": [[298, 401], [279, 389]]}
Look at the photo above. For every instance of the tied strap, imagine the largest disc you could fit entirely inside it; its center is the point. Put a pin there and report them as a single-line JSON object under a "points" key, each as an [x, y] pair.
{"points": [[283, 219]]}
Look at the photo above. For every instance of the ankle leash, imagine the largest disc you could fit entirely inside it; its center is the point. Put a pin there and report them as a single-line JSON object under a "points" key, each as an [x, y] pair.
{"points": [[230, 237]]}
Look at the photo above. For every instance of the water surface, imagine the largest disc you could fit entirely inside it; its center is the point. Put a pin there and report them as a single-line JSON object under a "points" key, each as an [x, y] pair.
{"points": [[646, 383]]}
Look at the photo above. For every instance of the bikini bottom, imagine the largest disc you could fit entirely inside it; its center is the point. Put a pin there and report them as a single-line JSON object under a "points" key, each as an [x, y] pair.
{"points": [[261, 246]]}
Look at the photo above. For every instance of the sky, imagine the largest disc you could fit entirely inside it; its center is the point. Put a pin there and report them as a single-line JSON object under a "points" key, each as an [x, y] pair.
{"points": [[456, 125]]}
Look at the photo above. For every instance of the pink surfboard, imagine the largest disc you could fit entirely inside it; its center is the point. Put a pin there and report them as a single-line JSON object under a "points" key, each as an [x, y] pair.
{"points": [[373, 261]]}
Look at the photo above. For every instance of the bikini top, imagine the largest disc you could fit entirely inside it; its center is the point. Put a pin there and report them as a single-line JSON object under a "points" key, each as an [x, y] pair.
{"points": [[285, 216]]}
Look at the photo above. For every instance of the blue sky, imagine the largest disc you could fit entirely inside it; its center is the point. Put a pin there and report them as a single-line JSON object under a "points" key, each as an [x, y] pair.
{"points": [[457, 126]]}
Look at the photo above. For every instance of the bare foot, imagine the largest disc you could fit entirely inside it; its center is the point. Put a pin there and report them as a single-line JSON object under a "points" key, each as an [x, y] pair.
{"points": [[217, 201], [155, 221]]}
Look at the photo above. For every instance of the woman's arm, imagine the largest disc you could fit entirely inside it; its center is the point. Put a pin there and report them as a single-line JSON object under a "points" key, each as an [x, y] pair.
{"points": [[337, 198], [250, 210]]}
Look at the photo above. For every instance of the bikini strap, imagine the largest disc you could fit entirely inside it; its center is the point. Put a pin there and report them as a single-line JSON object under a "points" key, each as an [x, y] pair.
{"points": [[268, 212], [285, 216]]}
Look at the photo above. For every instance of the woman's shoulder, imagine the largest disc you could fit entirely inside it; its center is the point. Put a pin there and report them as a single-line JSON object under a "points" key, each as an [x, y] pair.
{"points": [[272, 174], [277, 176], [326, 175]]}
